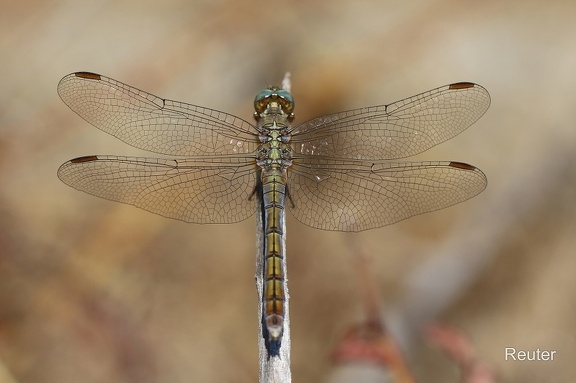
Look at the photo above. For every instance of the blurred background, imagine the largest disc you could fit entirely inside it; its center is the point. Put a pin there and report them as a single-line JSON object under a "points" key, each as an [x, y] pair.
{"points": [[96, 291]]}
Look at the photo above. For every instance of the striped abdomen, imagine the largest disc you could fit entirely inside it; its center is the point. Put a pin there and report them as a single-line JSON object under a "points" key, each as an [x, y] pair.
{"points": [[273, 197]]}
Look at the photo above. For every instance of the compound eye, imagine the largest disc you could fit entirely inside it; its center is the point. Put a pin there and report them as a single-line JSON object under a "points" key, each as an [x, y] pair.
{"points": [[261, 100], [286, 100]]}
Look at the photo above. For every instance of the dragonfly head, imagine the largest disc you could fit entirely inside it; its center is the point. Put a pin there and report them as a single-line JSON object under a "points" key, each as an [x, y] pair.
{"points": [[274, 99]]}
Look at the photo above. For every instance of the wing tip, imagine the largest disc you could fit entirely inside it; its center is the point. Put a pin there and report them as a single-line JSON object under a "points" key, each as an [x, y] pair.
{"points": [[462, 165], [461, 85], [88, 75], [83, 159]]}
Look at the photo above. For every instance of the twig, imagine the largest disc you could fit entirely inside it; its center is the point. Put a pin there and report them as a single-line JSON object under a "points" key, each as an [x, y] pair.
{"points": [[286, 83]]}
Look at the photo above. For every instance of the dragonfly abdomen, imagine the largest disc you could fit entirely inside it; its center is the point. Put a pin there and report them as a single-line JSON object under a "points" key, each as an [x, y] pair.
{"points": [[273, 197]]}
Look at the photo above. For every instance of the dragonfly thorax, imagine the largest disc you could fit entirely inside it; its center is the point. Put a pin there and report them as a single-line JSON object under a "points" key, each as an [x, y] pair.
{"points": [[275, 149], [273, 113]]}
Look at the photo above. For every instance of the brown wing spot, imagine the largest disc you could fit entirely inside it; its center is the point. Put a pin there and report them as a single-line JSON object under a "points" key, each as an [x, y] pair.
{"points": [[461, 85], [461, 165], [84, 159], [88, 75]]}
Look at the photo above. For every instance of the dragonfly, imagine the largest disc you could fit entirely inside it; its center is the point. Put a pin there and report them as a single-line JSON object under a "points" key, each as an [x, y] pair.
{"points": [[342, 171]]}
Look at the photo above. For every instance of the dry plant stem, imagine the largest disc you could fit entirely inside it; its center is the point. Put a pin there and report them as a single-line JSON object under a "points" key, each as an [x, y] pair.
{"points": [[275, 369], [373, 332], [366, 284], [286, 83]]}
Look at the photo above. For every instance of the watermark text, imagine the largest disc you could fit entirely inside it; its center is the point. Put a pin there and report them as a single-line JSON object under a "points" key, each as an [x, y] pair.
{"points": [[510, 353]]}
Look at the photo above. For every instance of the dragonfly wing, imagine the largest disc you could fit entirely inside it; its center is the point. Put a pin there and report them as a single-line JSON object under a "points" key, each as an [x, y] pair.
{"points": [[151, 123], [402, 129], [354, 196], [198, 191]]}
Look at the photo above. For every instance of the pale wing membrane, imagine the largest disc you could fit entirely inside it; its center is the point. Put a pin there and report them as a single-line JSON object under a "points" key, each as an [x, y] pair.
{"points": [[214, 190], [402, 129], [354, 196], [151, 123]]}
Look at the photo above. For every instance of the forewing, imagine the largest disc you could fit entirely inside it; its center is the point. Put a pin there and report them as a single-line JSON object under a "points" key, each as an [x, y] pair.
{"points": [[151, 123], [402, 129], [354, 196], [198, 191]]}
